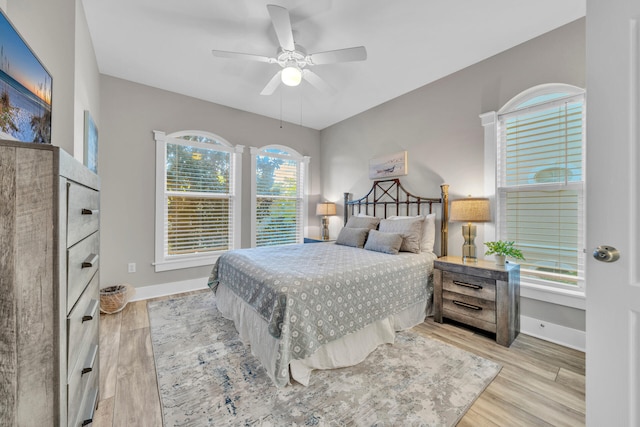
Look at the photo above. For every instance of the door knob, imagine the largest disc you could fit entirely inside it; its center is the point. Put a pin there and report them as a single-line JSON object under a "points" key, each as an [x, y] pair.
{"points": [[606, 253]]}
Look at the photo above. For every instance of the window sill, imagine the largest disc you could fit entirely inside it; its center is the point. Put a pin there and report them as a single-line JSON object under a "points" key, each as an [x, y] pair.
{"points": [[185, 263], [567, 298]]}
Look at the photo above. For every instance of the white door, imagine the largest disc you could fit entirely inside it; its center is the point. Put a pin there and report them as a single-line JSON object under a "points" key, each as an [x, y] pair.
{"points": [[613, 203]]}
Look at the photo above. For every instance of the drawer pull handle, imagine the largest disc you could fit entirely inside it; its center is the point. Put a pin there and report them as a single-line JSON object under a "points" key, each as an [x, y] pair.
{"points": [[88, 418], [467, 285], [90, 261], [86, 211], [91, 311], [464, 304], [91, 360]]}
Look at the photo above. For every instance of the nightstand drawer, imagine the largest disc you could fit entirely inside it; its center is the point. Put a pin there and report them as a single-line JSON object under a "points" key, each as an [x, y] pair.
{"points": [[465, 284], [480, 309]]}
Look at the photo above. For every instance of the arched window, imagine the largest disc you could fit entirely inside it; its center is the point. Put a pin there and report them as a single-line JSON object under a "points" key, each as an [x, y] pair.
{"points": [[279, 176], [197, 198], [539, 184]]}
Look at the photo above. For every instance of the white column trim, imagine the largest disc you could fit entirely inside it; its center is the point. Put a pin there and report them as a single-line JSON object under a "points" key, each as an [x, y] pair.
{"points": [[490, 124], [161, 154], [305, 196], [237, 196], [254, 152]]}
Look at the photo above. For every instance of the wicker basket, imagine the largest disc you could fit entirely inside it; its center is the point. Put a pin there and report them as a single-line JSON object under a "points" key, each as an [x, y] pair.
{"points": [[114, 298]]}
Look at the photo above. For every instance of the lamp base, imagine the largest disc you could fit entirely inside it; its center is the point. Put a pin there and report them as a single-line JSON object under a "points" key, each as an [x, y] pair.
{"points": [[469, 247], [325, 228]]}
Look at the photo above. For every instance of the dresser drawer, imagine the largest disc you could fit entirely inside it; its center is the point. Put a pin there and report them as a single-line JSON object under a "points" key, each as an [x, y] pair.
{"points": [[89, 405], [82, 323], [83, 213], [82, 388], [82, 264], [465, 284]]}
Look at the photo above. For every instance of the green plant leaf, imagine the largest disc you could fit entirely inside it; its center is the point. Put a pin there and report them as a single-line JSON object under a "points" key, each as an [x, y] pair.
{"points": [[502, 247]]}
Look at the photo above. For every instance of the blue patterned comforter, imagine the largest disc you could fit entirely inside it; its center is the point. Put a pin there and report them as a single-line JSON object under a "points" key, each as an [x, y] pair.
{"points": [[311, 294]]}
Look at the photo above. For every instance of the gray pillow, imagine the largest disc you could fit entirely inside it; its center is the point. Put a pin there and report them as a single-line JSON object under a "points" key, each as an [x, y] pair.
{"points": [[389, 243], [363, 222], [352, 237], [409, 228]]}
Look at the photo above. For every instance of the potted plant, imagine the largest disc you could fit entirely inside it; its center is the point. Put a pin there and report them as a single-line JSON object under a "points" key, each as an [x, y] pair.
{"points": [[502, 249]]}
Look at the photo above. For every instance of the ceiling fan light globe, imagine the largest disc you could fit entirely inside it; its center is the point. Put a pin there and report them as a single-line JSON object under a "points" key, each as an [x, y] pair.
{"points": [[291, 76]]}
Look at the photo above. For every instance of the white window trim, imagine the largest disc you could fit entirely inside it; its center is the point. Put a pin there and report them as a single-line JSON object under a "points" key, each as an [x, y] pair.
{"points": [[162, 262], [489, 120], [303, 172]]}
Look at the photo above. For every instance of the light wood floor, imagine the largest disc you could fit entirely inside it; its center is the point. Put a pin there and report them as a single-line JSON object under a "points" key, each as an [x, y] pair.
{"points": [[541, 384]]}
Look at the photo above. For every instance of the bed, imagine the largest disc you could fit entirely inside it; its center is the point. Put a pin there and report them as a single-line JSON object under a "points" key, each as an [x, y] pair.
{"points": [[328, 305]]}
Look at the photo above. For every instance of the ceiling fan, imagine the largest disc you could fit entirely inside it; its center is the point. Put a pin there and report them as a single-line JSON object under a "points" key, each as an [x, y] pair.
{"points": [[293, 58]]}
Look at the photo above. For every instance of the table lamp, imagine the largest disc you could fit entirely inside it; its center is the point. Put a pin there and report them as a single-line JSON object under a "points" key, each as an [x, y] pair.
{"points": [[469, 210], [325, 209]]}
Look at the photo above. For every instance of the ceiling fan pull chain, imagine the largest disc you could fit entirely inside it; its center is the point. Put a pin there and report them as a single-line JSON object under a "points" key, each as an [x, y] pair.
{"points": [[280, 109]]}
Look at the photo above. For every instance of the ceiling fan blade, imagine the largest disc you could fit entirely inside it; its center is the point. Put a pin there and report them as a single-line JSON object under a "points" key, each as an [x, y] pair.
{"points": [[272, 85], [247, 56], [282, 24], [341, 55], [316, 81]]}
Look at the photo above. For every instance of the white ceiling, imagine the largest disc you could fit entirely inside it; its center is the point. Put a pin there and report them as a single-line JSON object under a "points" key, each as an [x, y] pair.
{"points": [[167, 44]]}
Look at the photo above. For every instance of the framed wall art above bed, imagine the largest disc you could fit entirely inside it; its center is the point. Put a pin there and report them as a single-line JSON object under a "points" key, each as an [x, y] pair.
{"points": [[388, 166], [328, 305]]}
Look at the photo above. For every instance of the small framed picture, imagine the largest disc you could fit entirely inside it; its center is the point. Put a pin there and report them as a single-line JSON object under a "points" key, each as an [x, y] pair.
{"points": [[388, 166], [90, 143]]}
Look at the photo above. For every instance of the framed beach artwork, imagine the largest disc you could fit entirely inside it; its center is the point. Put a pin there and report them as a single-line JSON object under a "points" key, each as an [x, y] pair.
{"points": [[388, 166], [90, 142], [25, 90]]}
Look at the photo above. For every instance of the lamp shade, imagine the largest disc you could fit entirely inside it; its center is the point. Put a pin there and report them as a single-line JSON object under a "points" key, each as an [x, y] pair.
{"points": [[471, 209], [326, 209]]}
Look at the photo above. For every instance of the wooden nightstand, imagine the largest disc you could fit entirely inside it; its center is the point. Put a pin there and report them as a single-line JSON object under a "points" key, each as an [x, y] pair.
{"points": [[482, 295]]}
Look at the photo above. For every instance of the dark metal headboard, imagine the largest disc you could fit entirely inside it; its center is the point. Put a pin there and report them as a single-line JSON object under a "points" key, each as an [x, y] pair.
{"points": [[388, 197]]}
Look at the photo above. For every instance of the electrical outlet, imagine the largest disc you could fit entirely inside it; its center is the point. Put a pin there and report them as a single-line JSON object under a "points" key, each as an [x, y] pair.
{"points": [[131, 267]]}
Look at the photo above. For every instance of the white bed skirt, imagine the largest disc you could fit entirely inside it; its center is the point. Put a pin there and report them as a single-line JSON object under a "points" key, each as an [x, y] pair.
{"points": [[346, 351]]}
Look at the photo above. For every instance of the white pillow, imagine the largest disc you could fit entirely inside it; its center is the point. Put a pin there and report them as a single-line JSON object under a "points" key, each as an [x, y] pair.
{"points": [[429, 236], [428, 230]]}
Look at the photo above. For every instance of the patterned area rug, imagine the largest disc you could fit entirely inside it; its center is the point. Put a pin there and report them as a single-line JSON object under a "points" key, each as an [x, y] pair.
{"points": [[207, 377]]}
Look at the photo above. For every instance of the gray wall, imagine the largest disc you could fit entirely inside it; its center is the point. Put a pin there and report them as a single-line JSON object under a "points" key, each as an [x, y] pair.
{"points": [[438, 125], [130, 112]]}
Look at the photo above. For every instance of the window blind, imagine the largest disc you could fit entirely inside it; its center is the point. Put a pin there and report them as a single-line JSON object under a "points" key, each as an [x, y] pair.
{"points": [[541, 188], [198, 198], [278, 199], [197, 225]]}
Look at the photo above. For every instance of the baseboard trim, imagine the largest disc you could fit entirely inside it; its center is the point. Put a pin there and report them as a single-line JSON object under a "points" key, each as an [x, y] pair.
{"points": [[171, 288], [568, 337]]}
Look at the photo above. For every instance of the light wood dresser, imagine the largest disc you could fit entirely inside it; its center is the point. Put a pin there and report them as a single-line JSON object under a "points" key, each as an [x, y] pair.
{"points": [[49, 287], [482, 295]]}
